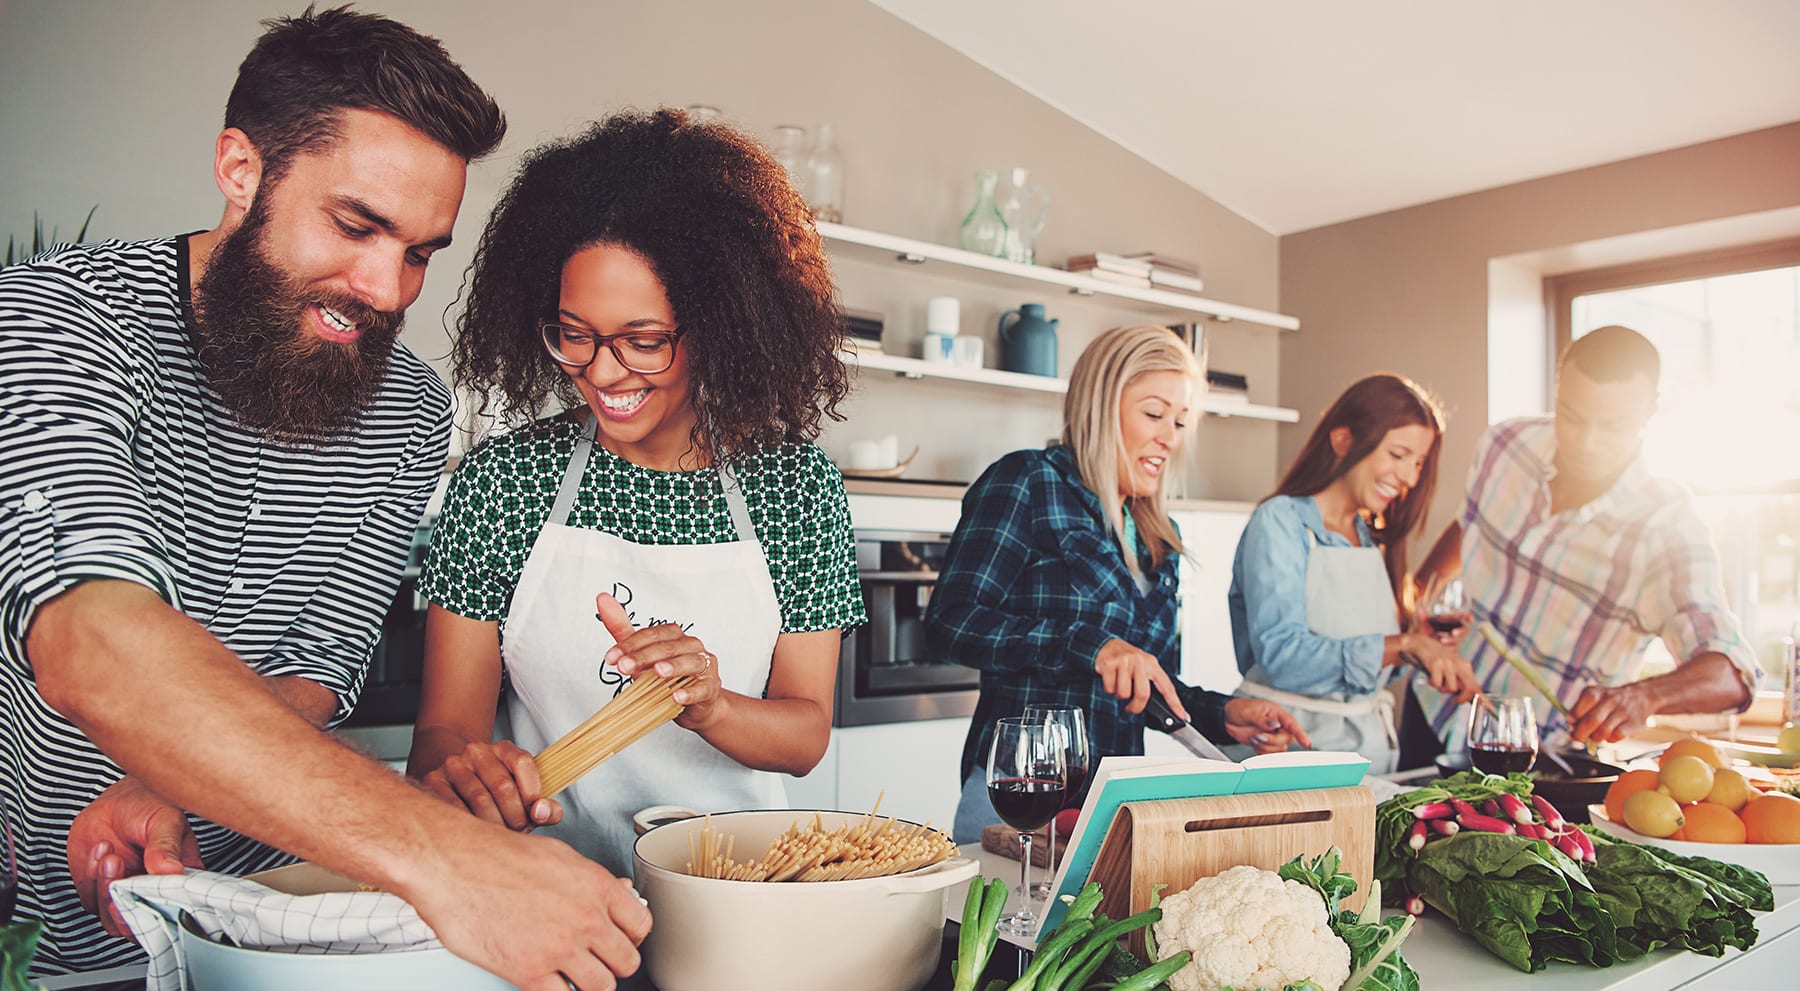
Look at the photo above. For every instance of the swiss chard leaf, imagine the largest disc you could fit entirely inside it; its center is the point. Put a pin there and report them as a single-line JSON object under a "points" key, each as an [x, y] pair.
{"points": [[1661, 899], [18, 944]]}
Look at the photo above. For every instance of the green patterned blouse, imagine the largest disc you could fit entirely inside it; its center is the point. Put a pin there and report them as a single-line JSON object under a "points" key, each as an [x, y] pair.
{"points": [[500, 495]]}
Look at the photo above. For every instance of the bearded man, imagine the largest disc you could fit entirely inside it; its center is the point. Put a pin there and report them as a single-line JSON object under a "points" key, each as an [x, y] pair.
{"points": [[216, 453]]}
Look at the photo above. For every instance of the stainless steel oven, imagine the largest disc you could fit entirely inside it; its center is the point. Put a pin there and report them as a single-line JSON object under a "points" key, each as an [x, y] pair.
{"points": [[886, 672]]}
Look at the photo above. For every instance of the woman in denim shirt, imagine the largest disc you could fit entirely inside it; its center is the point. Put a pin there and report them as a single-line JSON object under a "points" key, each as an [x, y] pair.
{"points": [[1316, 589]]}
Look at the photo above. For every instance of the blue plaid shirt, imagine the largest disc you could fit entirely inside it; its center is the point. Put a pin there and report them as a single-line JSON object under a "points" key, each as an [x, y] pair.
{"points": [[1032, 586]]}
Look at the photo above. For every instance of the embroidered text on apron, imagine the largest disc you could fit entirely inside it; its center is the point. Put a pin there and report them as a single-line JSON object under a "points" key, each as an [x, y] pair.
{"points": [[1347, 595], [553, 641]]}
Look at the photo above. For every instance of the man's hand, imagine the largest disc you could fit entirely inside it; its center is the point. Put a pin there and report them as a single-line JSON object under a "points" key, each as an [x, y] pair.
{"points": [[534, 911], [1264, 725], [1129, 673], [128, 830], [1608, 715]]}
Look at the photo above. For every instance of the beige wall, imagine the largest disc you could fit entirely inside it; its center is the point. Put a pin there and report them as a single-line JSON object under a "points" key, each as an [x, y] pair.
{"points": [[1409, 291], [118, 103]]}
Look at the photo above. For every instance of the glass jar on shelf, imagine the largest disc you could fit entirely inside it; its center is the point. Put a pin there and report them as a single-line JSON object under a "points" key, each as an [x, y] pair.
{"points": [[984, 229], [789, 148], [825, 177], [1026, 207]]}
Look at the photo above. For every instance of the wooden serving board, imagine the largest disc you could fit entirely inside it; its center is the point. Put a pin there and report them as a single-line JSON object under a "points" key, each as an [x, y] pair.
{"points": [[1180, 840]]}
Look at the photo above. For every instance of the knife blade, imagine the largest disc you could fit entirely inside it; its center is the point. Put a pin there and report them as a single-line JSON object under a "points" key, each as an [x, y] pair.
{"points": [[1158, 716]]}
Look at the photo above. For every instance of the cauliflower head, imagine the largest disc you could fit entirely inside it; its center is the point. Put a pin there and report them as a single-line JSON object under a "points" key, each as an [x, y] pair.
{"points": [[1249, 929]]}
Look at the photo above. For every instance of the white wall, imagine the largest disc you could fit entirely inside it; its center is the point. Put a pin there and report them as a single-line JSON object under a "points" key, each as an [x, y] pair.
{"points": [[118, 103]]}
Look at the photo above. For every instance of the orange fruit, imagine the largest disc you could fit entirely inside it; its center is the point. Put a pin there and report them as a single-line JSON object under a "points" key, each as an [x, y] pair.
{"points": [[1773, 818], [1709, 823], [1692, 746], [1628, 784]]}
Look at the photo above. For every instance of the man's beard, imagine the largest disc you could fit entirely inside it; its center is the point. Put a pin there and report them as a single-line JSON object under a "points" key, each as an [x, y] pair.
{"points": [[275, 376]]}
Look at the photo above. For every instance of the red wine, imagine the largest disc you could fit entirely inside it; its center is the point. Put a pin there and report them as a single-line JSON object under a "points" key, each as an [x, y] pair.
{"points": [[1077, 775], [1501, 758], [1444, 624], [1026, 803]]}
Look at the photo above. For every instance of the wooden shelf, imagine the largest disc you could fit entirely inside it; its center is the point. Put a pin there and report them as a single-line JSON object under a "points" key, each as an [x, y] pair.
{"points": [[914, 368], [874, 246]]}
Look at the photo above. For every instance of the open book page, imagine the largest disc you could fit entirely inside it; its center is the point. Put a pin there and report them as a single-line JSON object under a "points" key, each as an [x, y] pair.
{"points": [[1295, 769]]}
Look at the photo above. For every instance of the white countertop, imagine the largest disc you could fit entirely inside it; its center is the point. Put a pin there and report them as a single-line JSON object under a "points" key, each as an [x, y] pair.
{"points": [[1447, 959]]}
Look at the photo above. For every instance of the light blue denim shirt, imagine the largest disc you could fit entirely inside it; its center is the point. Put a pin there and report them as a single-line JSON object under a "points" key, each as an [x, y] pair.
{"points": [[1268, 606]]}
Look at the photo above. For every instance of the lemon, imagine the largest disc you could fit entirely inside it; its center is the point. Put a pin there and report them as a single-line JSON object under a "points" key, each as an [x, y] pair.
{"points": [[1729, 789], [1687, 778], [1653, 814], [1789, 740]]}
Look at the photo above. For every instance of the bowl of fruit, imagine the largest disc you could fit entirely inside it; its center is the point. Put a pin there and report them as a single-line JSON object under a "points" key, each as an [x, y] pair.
{"points": [[1693, 802]]}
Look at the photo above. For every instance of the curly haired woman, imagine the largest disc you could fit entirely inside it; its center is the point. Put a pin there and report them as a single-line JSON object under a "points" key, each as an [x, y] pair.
{"points": [[658, 278]]}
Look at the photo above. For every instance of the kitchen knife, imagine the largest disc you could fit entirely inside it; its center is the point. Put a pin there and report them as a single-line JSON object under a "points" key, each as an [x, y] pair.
{"points": [[1158, 716]]}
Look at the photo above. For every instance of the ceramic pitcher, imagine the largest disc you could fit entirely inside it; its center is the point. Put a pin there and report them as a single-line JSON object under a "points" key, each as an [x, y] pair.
{"points": [[1028, 341]]}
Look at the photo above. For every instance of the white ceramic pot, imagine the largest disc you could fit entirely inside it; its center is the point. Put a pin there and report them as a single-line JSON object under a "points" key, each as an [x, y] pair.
{"points": [[214, 966], [873, 934]]}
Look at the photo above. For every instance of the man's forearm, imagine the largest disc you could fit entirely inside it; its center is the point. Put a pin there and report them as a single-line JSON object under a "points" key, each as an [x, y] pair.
{"points": [[172, 706], [1709, 682]]}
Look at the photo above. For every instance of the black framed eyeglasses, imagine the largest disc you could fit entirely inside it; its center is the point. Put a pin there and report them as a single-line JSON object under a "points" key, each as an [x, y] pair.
{"points": [[643, 351]]}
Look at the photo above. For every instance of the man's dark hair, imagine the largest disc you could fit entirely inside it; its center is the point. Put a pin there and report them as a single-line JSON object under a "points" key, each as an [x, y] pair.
{"points": [[1614, 354], [305, 71], [715, 217]]}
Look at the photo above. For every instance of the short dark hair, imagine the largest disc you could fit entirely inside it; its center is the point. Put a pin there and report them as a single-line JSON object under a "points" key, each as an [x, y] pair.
{"points": [[305, 71], [1613, 354], [714, 215]]}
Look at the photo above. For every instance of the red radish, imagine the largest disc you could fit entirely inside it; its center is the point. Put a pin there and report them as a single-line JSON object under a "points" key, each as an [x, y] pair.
{"points": [[1491, 807], [1487, 824], [1433, 810], [1415, 837], [1415, 905], [1552, 818], [1570, 846], [1445, 827], [1463, 808], [1514, 809], [1533, 831], [1585, 841]]}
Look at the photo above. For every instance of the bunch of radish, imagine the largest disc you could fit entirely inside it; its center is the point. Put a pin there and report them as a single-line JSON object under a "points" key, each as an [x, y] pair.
{"points": [[1507, 814]]}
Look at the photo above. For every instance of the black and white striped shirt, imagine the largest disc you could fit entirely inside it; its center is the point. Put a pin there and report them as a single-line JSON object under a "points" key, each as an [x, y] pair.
{"points": [[118, 461]]}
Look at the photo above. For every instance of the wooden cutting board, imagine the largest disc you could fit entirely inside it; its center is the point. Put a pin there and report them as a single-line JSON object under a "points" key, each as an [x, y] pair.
{"points": [[1178, 841]]}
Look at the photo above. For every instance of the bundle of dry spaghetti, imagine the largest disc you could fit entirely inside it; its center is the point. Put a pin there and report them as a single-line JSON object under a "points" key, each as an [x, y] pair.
{"points": [[808, 852], [644, 705]]}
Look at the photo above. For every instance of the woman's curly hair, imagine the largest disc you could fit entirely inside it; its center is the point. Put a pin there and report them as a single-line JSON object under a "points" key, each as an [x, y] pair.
{"points": [[716, 218]]}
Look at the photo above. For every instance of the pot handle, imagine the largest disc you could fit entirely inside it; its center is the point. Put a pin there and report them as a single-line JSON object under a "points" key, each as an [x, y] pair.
{"points": [[945, 874]]}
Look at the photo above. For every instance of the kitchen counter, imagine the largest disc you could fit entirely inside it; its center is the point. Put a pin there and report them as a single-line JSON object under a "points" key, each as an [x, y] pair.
{"points": [[1445, 958]]}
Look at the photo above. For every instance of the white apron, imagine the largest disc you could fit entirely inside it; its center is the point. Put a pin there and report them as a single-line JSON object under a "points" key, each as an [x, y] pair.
{"points": [[553, 642], [1347, 595]]}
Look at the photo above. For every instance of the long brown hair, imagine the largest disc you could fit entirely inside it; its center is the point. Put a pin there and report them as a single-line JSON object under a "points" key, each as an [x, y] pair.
{"points": [[1369, 409]]}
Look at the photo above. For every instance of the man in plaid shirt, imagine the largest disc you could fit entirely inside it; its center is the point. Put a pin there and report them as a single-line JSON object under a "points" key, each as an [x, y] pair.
{"points": [[1578, 556]]}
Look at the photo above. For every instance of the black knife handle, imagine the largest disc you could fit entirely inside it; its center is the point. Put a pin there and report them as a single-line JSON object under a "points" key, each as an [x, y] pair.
{"points": [[1158, 715]]}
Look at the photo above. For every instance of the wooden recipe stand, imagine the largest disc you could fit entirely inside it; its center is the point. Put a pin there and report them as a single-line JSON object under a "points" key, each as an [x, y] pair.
{"points": [[1176, 841]]}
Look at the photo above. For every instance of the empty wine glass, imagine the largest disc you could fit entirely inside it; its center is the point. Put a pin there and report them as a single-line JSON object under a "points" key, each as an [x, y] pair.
{"points": [[1447, 609], [1070, 724], [1027, 778], [1503, 734]]}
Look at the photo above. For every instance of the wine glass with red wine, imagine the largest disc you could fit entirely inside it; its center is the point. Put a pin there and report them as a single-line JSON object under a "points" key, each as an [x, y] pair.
{"points": [[1503, 734], [1447, 610], [1028, 780], [1070, 724]]}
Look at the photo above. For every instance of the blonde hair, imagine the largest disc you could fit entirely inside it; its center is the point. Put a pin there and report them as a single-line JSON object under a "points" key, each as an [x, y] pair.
{"points": [[1092, 432]]}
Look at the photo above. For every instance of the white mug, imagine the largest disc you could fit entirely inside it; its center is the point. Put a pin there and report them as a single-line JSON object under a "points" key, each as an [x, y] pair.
{"points": [[967, 352], [943, 315], [888, 450], [865, 455], [939, 349]]}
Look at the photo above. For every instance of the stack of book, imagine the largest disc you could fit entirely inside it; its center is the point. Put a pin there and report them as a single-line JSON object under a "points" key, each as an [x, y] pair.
{"points": [[1146, 270]]}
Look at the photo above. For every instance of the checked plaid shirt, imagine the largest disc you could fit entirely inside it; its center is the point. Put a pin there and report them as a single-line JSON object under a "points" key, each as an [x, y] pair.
{"points": [[1033, 585], [1580, 593]]}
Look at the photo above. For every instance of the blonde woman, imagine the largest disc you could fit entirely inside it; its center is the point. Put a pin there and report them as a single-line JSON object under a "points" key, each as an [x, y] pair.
{"points": [[1060, 582]]}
